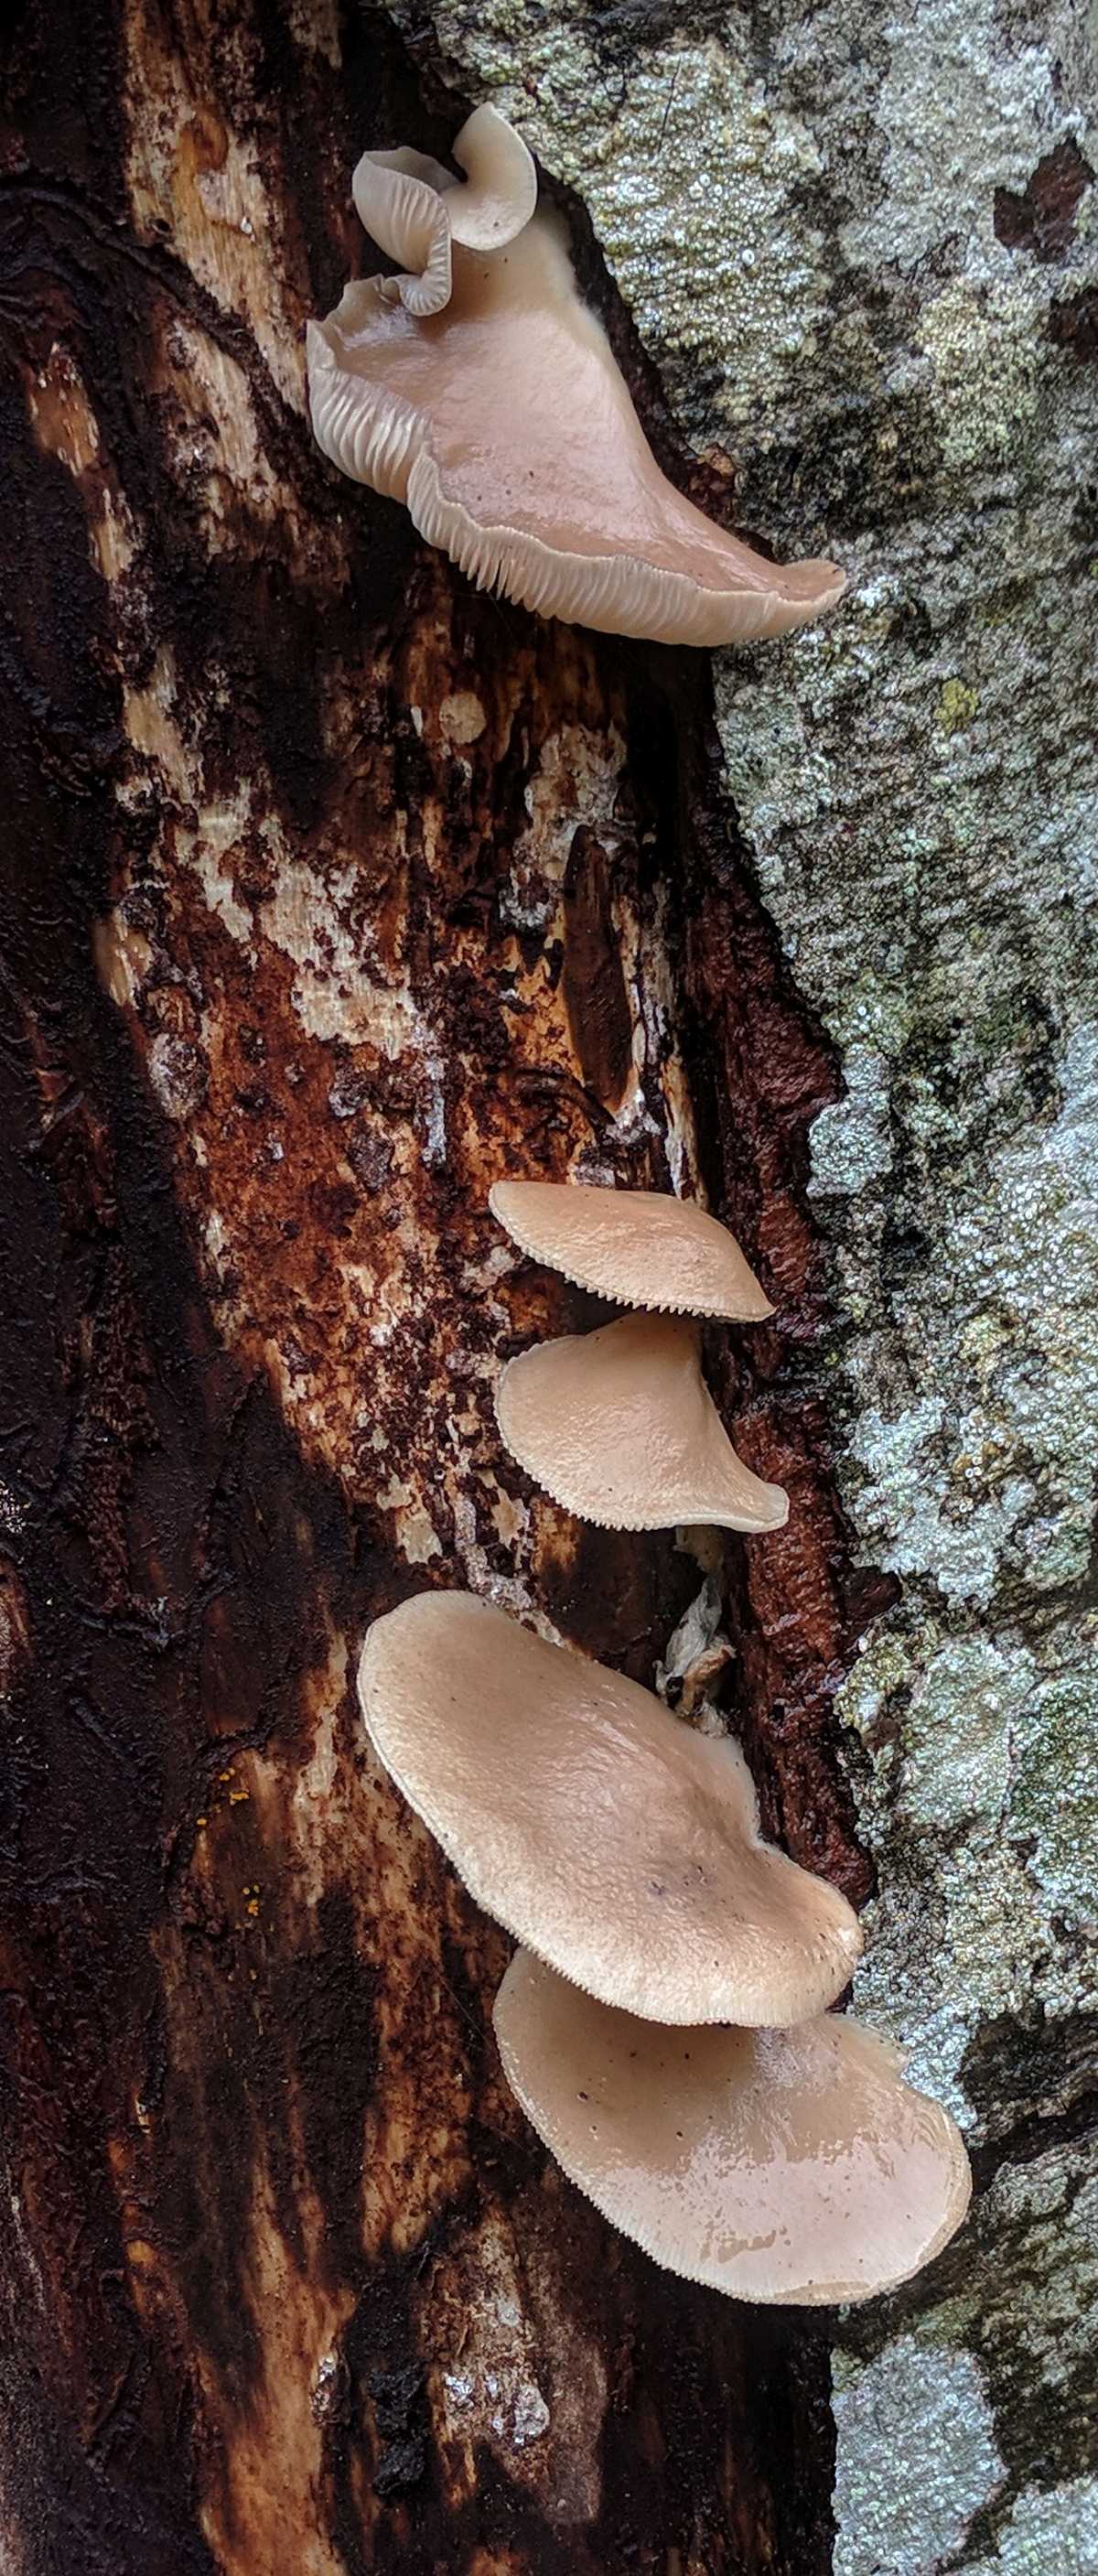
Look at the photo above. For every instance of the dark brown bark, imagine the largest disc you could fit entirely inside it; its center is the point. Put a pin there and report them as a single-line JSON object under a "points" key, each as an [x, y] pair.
{"points": [[328, 891]]}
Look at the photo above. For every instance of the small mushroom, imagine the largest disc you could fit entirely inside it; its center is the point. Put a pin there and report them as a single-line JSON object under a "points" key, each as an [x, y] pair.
{"points": [[792, 2167], [619, 1426], [484, 394], [610, 1838], [635, 1247], [414, 209]]}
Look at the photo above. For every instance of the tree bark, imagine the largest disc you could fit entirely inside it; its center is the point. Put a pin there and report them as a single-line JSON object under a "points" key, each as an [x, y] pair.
{"points": [[330, 890]]}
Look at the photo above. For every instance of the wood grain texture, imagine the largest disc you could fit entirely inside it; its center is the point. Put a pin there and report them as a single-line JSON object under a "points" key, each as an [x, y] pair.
{"points": [[328, 891]]}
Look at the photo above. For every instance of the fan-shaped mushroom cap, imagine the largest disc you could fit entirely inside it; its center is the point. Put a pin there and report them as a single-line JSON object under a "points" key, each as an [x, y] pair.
{"points": [[619, 1426], [502, 420], [414, 209], [793, 2167], [635, 1247], [602, 1832]]}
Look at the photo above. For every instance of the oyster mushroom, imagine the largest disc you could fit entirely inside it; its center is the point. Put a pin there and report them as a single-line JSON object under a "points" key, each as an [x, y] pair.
{"points": [[414, 209], [484, 394], [794, 2167], [606, 1835], [635, 1247], [619, 1426]]}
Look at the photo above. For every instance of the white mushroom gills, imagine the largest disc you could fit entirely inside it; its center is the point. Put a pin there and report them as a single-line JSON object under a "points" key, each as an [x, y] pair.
{"points": [[415, 209], [480, 390], [634, 1247]]}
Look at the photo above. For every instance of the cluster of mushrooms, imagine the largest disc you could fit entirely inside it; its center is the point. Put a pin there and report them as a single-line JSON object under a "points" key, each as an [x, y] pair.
{"points": [[665, 2023]]}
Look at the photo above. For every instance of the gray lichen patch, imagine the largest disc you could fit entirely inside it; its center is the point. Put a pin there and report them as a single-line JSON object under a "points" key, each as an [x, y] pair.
{"points": [[995, 2371], [923, 810], [1047, 2529], [923, 814], [910, 2406]]}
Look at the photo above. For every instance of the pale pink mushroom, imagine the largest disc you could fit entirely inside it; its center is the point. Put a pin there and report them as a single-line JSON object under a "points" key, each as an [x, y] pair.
{"points": [[791, 2167], [619, 1426], [414, 209], [493, 406], [602, 1831], [636, 1247]]}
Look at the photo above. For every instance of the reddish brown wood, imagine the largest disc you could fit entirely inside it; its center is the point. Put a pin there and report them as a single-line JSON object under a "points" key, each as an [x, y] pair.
{"points": [[328, 890]]}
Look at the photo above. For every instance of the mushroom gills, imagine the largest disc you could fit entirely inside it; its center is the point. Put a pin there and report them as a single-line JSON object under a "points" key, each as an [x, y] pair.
{"points": [[634, 1247], [415, 209], [619, 1426], [790, 2167], [484, 394], [604, 1833]]}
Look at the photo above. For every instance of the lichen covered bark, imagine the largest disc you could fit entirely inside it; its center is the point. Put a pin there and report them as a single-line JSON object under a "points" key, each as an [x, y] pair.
{"points": [[862, 252]]}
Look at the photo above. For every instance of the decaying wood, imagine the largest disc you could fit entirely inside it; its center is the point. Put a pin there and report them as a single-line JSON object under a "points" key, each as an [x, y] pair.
{"points": [[329, 891]]}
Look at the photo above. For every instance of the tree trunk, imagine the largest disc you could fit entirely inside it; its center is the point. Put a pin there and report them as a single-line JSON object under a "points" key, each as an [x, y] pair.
{"points": [[330, 891]]}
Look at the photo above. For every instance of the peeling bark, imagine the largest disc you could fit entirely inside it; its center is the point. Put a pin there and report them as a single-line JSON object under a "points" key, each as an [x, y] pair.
{"points": [[329, 891]]}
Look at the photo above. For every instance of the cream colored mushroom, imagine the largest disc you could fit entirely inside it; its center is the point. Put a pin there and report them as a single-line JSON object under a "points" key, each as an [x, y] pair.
{"points": [[794, 2167], [605, 1834], [619, 1426], [497, 412], [414, 209], [635, 1247]]}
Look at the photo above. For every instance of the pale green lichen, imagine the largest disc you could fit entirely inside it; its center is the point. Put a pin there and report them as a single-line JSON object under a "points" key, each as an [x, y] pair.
{"points": [[923, 809], [976, 1792], [851, 1142], [1046, 2532], [928, 2416], [960, 105], [957, 706], [986, 368], [917, 2457]]}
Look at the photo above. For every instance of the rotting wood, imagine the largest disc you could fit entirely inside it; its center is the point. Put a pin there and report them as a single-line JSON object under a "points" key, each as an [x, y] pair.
{"points": [[304, 846]]}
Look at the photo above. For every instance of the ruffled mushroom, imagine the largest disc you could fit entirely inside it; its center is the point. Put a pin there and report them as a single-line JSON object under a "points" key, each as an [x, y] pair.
{"points": [[495, 409], [414, 209], [793, 2167], [610, 1838], [635, 1247], [619, 1426]]}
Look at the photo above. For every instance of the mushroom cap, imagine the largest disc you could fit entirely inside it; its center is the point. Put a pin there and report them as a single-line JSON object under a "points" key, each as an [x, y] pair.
{"points": [[604, 1833], [414, 208], [635, 1247], [619, 1426], [794, 2167], [504, 423]]}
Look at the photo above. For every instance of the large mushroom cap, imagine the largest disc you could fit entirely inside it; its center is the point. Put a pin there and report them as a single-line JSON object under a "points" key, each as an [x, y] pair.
{"points": [[619, 1426], [502, 419], [605, 1834], [635, 1247], [414, 208], [790, 2166]]}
